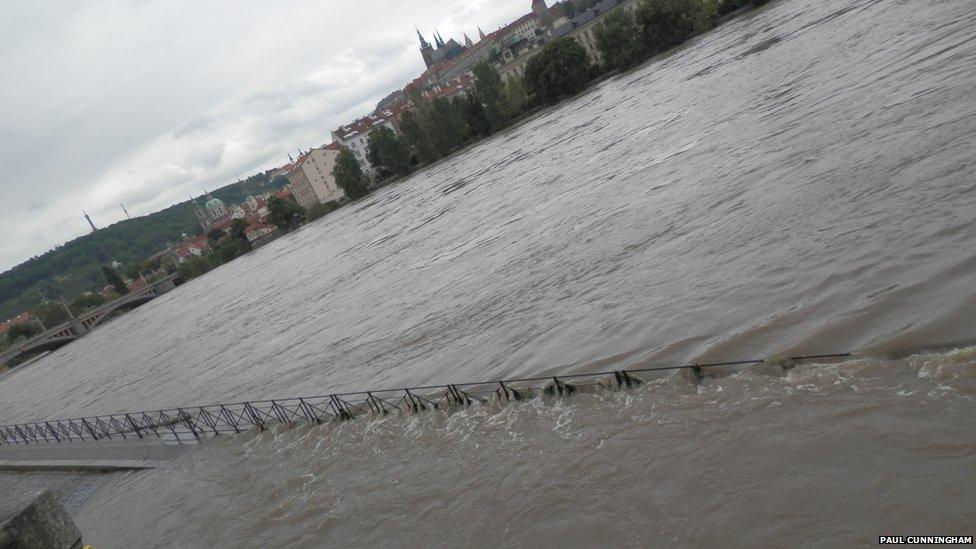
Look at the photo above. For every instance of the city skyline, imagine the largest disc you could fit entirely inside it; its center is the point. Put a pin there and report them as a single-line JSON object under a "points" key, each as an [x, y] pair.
{"points": [[143, 104]]}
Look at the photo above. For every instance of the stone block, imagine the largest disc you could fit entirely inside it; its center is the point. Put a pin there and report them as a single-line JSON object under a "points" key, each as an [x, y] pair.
{"points": [[44, 524]]}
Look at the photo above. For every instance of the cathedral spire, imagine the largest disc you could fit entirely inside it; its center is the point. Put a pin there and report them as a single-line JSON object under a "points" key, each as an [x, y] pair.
{"points": [[467, 41], [481, 33], [423, 41]]}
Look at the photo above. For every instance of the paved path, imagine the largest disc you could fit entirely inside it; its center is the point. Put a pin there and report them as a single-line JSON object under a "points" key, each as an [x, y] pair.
{"points": [[122, 455]]}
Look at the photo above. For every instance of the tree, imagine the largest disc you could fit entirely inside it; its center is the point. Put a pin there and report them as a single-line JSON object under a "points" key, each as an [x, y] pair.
{"points": [[386, 150], [317, 210], [349, 175], [114, 279], [618, 39], [238, 231], [23, 330], [194, 267], [664, 24], [216, 234], [445, 126], [228, 249], [280, 181], [416, 138], [151, 265], [50, 313], [560, 70], [86, 301], [488, 91], [132, 271], [475, 117], [514, 97], [283, 213]]}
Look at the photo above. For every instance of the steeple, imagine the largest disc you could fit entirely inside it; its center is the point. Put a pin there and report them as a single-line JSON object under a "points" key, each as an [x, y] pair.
{"points": [[481, 33], [541, 12], [467, 41], [423, 41], [438, 40], [201, 214]]}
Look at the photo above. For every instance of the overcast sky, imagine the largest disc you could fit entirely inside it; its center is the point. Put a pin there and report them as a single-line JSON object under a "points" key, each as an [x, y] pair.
{"points": [[146, 101]]}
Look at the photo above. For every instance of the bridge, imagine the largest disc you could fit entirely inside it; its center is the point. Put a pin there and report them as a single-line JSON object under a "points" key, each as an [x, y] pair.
{"points": [[79, 326]]}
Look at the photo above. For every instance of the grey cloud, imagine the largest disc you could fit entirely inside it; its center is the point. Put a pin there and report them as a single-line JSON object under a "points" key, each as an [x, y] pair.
{"points": [[204, 157], [105, 98], [193, 126]]}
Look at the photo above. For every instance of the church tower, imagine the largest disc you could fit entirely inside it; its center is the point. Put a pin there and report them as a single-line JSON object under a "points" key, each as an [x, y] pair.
{"points": [[426, 50], [541, 12], [201, 214]]}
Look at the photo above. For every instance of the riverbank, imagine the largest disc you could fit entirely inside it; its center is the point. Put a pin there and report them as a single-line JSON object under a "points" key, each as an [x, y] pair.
{"points": [[741, 198]]}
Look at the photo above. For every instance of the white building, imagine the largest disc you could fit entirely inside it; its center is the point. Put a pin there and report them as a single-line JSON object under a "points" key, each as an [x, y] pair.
{"points": [[311, 177], [355, 136]]}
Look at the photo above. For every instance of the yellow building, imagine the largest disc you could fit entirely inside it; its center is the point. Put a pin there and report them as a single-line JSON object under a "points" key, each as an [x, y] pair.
{"points": [[311, 177]]}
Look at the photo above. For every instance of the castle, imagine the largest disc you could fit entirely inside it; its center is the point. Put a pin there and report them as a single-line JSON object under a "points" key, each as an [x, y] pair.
{"points": [[442, 52]]}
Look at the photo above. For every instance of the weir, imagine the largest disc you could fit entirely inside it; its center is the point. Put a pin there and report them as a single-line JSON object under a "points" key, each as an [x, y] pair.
{"points": [[191, 423]]}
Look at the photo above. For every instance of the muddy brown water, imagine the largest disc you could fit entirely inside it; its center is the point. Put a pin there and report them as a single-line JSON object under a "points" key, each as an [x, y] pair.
{"points": [[800, 180]]}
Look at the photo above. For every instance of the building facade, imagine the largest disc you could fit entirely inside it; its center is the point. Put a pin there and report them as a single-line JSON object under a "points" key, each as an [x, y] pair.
{"points": [[581, 28], [355, 136], [311, 177]]}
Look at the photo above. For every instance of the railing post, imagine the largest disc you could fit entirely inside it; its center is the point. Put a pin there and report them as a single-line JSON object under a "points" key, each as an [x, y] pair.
{"points": [[188, 422], [230, 420], [255, 418], [22, 434], [342, 413], [133, 425], [53, 432], [90, 429], [309, 412]]}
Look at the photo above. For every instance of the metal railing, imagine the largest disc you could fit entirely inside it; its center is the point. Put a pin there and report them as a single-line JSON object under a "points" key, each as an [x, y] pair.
{"points": [[194, 422]]}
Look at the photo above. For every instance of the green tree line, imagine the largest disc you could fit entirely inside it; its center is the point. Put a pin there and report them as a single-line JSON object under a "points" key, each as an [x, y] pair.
{"points": [[75, 267]]}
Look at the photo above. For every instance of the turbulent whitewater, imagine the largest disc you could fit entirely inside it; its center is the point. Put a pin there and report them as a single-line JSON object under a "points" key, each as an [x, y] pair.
{"points": [[800, 180]]}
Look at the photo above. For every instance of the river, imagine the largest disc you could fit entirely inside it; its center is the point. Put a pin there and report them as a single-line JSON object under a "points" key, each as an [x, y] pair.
{"points": [[799, 180]]}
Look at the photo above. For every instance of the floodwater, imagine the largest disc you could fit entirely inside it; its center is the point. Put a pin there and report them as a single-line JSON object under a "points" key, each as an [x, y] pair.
{"points": [[800, 180]]}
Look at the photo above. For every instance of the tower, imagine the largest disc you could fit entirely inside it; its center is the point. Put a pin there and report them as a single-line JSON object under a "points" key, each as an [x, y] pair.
{"points": [[125, 211], [426, 50], [541, 12], [481, 33], [89, 220], [201, 214], [467, 41]]}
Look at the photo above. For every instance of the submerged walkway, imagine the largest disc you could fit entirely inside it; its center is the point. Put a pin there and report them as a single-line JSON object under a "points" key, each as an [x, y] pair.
{"points": [[189, 424]]}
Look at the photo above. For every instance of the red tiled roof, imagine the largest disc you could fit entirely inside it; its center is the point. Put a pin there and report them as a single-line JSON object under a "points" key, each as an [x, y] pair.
{"points": [[500, 33], [452, 88], [257, 227], [367, 123], [19, 319], [197, 242]]}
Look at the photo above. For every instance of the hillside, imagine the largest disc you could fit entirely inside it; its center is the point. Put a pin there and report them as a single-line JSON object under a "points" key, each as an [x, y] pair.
{"points": [[75, 266]]}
